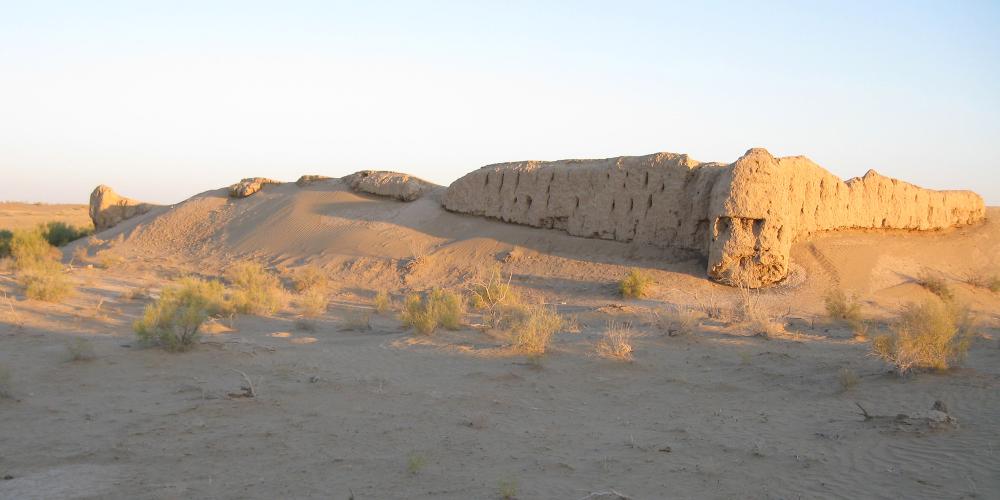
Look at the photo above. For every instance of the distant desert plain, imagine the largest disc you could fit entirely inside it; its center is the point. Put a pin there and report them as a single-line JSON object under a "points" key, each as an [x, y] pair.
{"points": [[630, 328]]}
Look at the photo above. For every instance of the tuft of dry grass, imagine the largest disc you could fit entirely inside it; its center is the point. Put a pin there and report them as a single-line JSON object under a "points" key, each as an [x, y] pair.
{"points": [[436, 308], [382, 302], [415, 462], [136, 293], [635, 285], [840, 307], [80, 350], [763, 326], [935, 285], [985, 280], [617, 342], [310, 277], [847, 379], [312, 303], [508, 489], [932, 335], [677, 321], [174, 320], [256, 290], [356, 320], [107, 259], [531, 328]]}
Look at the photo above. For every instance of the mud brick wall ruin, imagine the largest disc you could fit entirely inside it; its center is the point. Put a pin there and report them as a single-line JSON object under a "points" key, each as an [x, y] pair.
{"points": [[743, 217]]}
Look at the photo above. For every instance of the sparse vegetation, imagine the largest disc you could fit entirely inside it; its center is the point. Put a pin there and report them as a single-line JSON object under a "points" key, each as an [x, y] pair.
{"points": [[357, 320], [383, 302], [256, 290], [840, 307], [415, 463], [491, 293], [635, 285], [436, 308], [935, 285], [508, 489], [5, 239], [310, 278], [80, 350], [763, 326], [677, 321], [136, 293], [107, 259], [38, 268], [933, 335], [985, 280], [59, 233], [617, 342], [175, 319], [313, 303], [532, 327], [847, 379]]}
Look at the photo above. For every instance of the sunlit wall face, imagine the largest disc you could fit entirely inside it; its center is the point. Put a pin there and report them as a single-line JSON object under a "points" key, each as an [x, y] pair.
{"points": [[165, 100]]}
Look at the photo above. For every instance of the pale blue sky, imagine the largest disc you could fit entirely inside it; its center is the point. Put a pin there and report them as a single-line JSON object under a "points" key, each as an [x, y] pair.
{"points": [[162, 100]]}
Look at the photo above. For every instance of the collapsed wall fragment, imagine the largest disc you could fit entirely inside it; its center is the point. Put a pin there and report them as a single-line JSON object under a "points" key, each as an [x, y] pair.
{"points": [[743, 217]]}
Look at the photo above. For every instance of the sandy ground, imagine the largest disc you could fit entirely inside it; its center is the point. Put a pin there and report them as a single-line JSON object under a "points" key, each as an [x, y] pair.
{"points": [[384, 413]]}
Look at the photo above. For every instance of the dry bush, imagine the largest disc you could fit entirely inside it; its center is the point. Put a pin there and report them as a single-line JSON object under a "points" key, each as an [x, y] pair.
{"points": [[847, 379], [985, 280], [382, 302], [840, 307], [532, 327], [256, 290], [415, 462], [6, 390], [763, 326], [635, 285], [310, 277], [174, 320], [933, 335], [356, 320], [935, 285], [436, 308], [676, 321], [508, 489], [491, 292], [617, 342], [38, 268], [313, 303], [136, 293], [107, 259], [80, 350]]}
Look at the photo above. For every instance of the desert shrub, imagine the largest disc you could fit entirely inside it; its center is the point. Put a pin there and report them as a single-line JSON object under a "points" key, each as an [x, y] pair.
{"points": [[935, 285], [80, 350], [847, 379], [415, 462], [5, 239], [635, 285], [763, 326], [256, 290], [312, 303], [135, 293], [617, 342], [108, 259], [932, 335], [357, 320], [310, 277], [531, 328], [840, 307], [38, 268], [436, 308], [382, 303], [60, 233], [677, 321], [508, 489], [990, 282], [175, 319], [491, 292]]}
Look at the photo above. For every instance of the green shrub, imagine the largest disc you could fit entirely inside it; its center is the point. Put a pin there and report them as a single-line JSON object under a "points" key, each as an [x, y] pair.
{"points": [[635, 285], [60, 233], [257, 291], [46, 284], [932, 335], [5, 237], [436, 308], [174, 320], [31, 250]]}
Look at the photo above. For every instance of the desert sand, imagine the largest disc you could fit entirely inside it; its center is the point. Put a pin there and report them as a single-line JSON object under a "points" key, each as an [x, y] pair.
{"points": [[342, 411]]}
